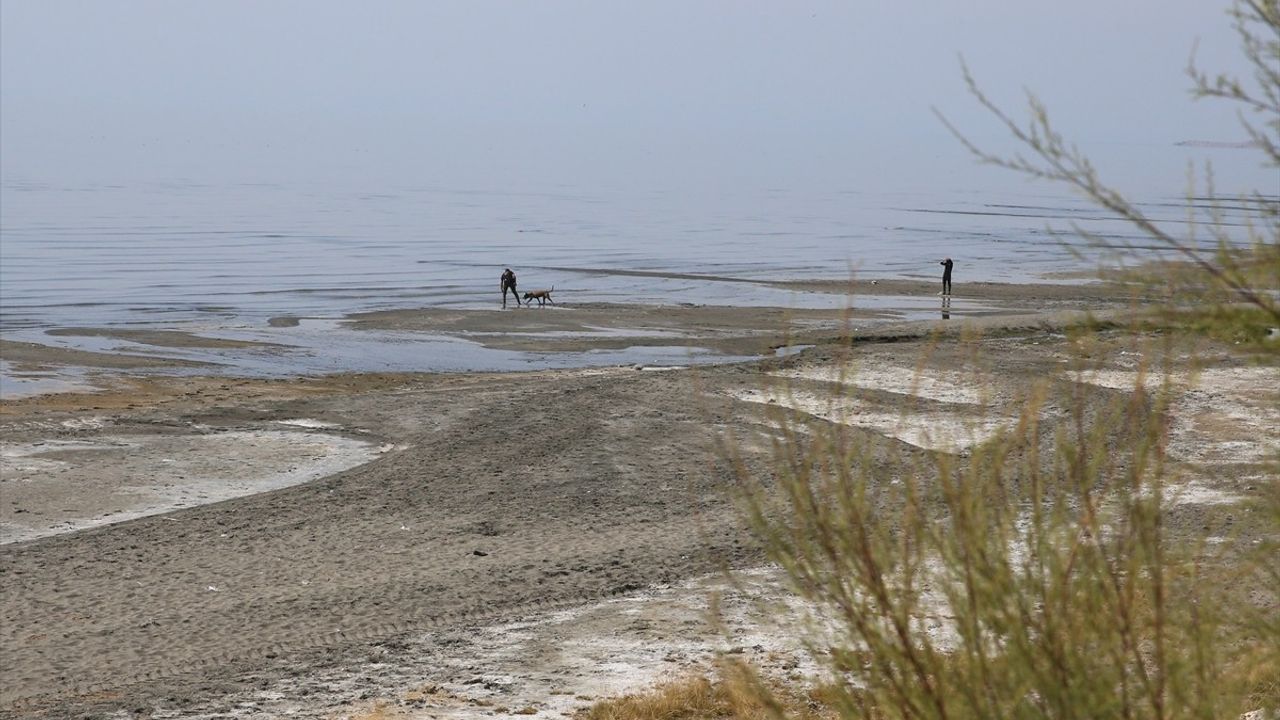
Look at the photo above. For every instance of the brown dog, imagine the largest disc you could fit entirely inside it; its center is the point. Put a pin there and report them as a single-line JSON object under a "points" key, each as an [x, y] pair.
{"points": [[542, 296]]}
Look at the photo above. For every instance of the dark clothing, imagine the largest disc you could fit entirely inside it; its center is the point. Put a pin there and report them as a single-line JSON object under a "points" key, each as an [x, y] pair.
{"points": [[946, 276], [508, 282]]}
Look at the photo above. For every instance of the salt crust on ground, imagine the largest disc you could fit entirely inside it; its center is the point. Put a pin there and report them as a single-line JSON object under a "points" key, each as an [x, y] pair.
{"points": [[551, 664], [111, 478], [932, 429], [938, 385], [928, 430], [1219, 414]]}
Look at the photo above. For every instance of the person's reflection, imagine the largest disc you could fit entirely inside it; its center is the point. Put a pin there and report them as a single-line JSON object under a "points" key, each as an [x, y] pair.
{"points": [[946, 307]]}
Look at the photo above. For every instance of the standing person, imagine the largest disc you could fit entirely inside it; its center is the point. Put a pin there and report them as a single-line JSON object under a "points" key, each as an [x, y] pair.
{"points": [[508, 282], [946, 276]]}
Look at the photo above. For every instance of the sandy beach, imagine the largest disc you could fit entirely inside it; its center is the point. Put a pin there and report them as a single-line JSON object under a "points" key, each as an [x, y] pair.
{"points": [[458, 361], [206, 545]]}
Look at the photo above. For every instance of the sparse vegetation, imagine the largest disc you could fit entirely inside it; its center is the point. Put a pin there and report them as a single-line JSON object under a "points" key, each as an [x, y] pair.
{"points": [[1041, 575], [1219, 268], [1046, 572], [379, 711], [733, 693], [1038, 577]]}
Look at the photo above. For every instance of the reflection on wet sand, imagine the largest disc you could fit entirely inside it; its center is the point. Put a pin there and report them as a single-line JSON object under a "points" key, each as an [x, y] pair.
{"points": [[486, 339]]}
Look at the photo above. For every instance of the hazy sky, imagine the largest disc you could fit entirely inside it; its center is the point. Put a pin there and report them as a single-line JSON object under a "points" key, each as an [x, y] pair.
{"points": [[625, 95]]}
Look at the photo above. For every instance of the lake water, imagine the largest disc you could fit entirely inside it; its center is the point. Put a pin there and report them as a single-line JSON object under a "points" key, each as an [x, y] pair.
{"points": [[94, 255], [188, 254]]}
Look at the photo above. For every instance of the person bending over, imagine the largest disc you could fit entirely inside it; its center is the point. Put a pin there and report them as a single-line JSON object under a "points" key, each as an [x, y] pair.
{"points": [[508, 282]]}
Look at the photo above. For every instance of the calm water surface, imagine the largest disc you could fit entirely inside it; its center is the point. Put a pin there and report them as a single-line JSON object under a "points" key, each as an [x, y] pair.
{"points": [[223, 260], [95, 255]]}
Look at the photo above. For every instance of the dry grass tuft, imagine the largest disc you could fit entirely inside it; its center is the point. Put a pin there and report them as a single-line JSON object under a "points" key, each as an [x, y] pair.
{"points": [[379, 711], [733, 693]]}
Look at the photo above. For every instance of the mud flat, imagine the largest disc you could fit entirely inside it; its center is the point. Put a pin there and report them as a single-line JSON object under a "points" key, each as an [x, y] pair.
{"points": [[485, 338], [537, 514]]}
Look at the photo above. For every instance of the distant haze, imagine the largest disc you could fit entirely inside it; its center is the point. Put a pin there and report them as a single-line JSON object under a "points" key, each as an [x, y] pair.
{"points": [[699, 96]]}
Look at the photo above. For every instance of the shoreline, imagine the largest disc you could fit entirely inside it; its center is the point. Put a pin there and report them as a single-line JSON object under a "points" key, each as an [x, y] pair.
{"points": [[498, 494], [436, 339]]}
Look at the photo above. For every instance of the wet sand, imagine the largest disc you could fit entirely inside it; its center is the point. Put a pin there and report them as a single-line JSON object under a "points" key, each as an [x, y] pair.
{"points": [[156, 338], [569, 334], [36, 356], [484, 498]]}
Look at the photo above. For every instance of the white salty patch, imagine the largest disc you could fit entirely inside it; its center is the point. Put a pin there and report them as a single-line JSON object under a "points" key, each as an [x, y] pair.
{"points": [[309, 423], [113, 478], [931, 430], [1219, 415], [938, 385]]}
